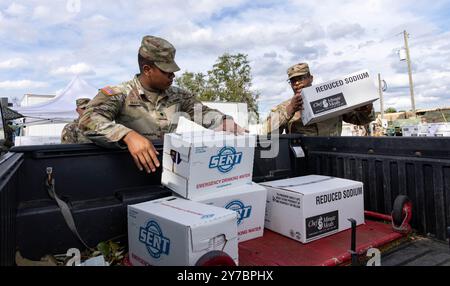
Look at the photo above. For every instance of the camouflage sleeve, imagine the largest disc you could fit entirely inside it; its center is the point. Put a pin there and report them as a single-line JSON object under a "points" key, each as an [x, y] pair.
{"points": [[67, 135], [359, 117], [97, 122], [278, 120], [210, 118]]}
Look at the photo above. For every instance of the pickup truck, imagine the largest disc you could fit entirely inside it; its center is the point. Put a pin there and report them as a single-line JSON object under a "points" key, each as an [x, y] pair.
{"points": [[98, 184]]}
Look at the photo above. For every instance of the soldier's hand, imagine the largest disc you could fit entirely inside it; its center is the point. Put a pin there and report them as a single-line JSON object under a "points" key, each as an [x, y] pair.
{"points": [[295, 105], [143, 152], [228, 125]]}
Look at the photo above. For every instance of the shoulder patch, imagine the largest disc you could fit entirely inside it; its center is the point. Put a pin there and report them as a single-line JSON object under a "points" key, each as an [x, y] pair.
{"points": [[111, 91]]}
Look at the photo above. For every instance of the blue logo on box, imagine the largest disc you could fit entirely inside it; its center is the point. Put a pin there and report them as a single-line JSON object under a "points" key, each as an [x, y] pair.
{"points": [[226, 159], [242, 210], [153, 238]]}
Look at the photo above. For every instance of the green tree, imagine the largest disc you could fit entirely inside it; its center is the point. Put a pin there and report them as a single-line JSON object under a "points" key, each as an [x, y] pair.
{"points": [[193, 82], [229, 80], [391, 110]]}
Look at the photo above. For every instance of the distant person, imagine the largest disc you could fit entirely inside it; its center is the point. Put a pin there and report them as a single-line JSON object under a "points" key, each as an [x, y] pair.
{"points": [[71, 133], [145, 108], [288, 113]]}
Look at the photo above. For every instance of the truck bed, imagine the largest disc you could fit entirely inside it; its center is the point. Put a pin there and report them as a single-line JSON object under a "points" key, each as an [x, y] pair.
{"points": [[421, 251], [99, 184], [276, 250]]}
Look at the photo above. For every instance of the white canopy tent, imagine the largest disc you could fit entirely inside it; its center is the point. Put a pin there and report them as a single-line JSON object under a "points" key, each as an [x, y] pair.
{"points": [[62, 107]]}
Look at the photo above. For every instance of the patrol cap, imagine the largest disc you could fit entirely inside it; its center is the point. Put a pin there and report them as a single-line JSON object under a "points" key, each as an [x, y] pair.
{"points": [[298, 70], [160, 52], [82, 102]]}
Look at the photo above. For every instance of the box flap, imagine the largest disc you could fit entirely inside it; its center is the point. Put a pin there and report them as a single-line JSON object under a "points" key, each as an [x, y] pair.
{"points": [[215, 232], [188, 126]]}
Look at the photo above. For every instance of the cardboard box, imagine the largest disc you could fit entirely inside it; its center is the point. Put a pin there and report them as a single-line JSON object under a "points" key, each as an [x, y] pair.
{"points": [[410, 131], [249, 202], [337, 97], [177, 232], [312, 207], [443, 130], [195, 164]]}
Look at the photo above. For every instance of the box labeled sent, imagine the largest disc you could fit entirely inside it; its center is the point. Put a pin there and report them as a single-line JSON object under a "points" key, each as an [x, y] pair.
{"points": [[196, 164], [177, 232], [249, 202]]}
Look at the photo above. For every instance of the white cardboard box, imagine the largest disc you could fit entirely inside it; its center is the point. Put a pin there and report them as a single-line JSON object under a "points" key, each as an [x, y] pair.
{"points": [[410, 131], [249, 202], [177, 232], [337, 97], [195, 164], [443, 130], [312, 207]]}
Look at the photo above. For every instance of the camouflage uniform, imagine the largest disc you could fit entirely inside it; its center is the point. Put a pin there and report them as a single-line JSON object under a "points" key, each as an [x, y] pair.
{"points": [[71, 133], [117, 110], [294, 124]]}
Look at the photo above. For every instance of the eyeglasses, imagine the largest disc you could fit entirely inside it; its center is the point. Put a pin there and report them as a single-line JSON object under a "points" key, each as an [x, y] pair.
{"points": [[300, 78]]}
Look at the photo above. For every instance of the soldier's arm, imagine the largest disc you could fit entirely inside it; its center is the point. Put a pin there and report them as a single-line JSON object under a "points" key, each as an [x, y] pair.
{"points": [[278, 120], [97, 122], [67, 135], [360, 116]]}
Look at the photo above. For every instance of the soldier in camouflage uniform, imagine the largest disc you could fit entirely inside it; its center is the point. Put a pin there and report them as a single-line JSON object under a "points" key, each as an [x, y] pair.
{"points": [[71, 133], [145, 108], [287, 116]]}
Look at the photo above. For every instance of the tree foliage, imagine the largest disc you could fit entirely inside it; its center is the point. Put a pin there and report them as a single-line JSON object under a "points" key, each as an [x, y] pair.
{"points": [[391, 110], [229, 80]]}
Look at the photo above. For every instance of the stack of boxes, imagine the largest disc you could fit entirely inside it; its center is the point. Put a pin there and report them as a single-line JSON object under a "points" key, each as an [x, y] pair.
{"points": [[215, 203], [217, 169], [426, 130]]}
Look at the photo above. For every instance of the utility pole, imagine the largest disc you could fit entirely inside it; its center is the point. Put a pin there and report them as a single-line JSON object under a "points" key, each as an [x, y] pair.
{"points": [[380, 91], [411, 84]]}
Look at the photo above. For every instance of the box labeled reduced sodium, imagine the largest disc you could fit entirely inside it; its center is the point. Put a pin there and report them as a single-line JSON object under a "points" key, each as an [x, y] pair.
{"points": [[248, 201], [177, 232], [199, 163], [312, 207], [337, 97]]}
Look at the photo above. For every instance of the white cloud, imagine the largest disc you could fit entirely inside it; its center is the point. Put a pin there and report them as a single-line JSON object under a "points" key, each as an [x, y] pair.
{"points": [[22, 84], [15, 9], [76, 69], [41, 12], [336, 38], [13, 63], [339, 30]]}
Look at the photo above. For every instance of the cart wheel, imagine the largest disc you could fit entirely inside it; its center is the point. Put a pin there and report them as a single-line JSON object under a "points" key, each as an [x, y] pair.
{"points": [[401, 212], [215, 258]]}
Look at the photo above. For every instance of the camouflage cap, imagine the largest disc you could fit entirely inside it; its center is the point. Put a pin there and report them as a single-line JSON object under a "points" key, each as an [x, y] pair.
{"points": [[159, 51], [298, 70], [82, 102]]}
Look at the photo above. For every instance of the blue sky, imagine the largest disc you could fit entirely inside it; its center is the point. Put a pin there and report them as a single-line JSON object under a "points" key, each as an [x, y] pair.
{"points": [[46, 43]]}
